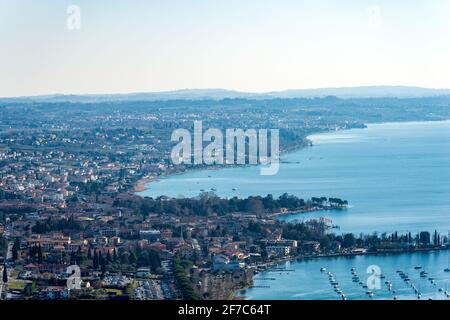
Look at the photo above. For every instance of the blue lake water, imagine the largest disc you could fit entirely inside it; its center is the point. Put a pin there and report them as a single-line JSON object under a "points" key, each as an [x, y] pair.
{"points": [[307, 282], [396, 177]]}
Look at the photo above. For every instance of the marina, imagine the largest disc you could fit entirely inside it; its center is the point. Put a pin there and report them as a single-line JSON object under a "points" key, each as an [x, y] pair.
{"points": [[352, 278], [357, 165]]}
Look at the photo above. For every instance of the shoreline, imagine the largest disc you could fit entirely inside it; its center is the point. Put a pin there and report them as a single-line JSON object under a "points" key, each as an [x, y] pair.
{"points": [[141, 186], [300, 212], [299, 259]]}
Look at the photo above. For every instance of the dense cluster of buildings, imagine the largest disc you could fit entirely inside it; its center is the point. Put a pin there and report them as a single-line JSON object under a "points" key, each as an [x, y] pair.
{"points": [[66, 169]]}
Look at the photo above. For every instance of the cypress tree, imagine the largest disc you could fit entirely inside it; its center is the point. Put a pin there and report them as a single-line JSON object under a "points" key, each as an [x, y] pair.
{"points": [[103, 268], [114, 255], [96, 261], [5, 274], [15, 250], [39, 253]]}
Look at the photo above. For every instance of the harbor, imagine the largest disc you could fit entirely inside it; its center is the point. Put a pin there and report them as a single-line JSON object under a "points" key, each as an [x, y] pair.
{"points": [[402, 276]]}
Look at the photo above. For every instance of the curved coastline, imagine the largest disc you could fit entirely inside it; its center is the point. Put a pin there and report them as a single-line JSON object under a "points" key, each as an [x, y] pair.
{"points": [[357, 166], [144, 183], [385, 257]]}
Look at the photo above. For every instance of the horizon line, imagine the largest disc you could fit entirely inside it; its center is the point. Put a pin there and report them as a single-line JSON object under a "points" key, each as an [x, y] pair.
{"points": [[178, 90]]}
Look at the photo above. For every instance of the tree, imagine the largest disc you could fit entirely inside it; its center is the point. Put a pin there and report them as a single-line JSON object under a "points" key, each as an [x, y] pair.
{"points": [[30, 289], [72, 257], [182, 279], [101, 259], [424, 238], [3, 245], [436, 238], [349, 240], [255, 206], [132, 258], [96, 260], [15, 249], [264, 253], [5, 274], [39, 253], [103, 269]]}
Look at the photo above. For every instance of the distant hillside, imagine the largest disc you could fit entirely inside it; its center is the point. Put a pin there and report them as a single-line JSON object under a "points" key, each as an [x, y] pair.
{"points": [[219, 94], [364, 92]]}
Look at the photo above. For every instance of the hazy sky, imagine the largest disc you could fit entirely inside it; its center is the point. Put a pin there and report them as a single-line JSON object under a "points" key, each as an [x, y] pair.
{"points": [[249, 45]]}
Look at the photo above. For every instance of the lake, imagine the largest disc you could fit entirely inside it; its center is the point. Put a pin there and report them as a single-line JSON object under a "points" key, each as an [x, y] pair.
{"points": [[307, 282], [396, 177]]}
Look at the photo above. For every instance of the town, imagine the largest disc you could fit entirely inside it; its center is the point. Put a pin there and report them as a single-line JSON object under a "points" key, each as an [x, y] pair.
{"points": [[68, 177]]}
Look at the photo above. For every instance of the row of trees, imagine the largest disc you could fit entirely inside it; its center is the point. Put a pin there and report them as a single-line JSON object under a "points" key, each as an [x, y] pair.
{"points": [[333, 202], [42, 227], [208, 203], [7, 195], [136, 257], [315, 231]]}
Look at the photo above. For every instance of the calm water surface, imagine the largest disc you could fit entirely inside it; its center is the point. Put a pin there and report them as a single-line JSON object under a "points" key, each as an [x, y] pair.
{"points": [[307, 282], [396, 177]]}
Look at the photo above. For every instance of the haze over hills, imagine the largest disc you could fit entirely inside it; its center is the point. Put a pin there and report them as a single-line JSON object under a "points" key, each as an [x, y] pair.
{"points": [[219, 94], [364, 92]]}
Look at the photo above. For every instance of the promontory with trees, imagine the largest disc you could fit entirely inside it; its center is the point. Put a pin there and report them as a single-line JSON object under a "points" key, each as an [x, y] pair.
{"points": [[208, 203]]}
